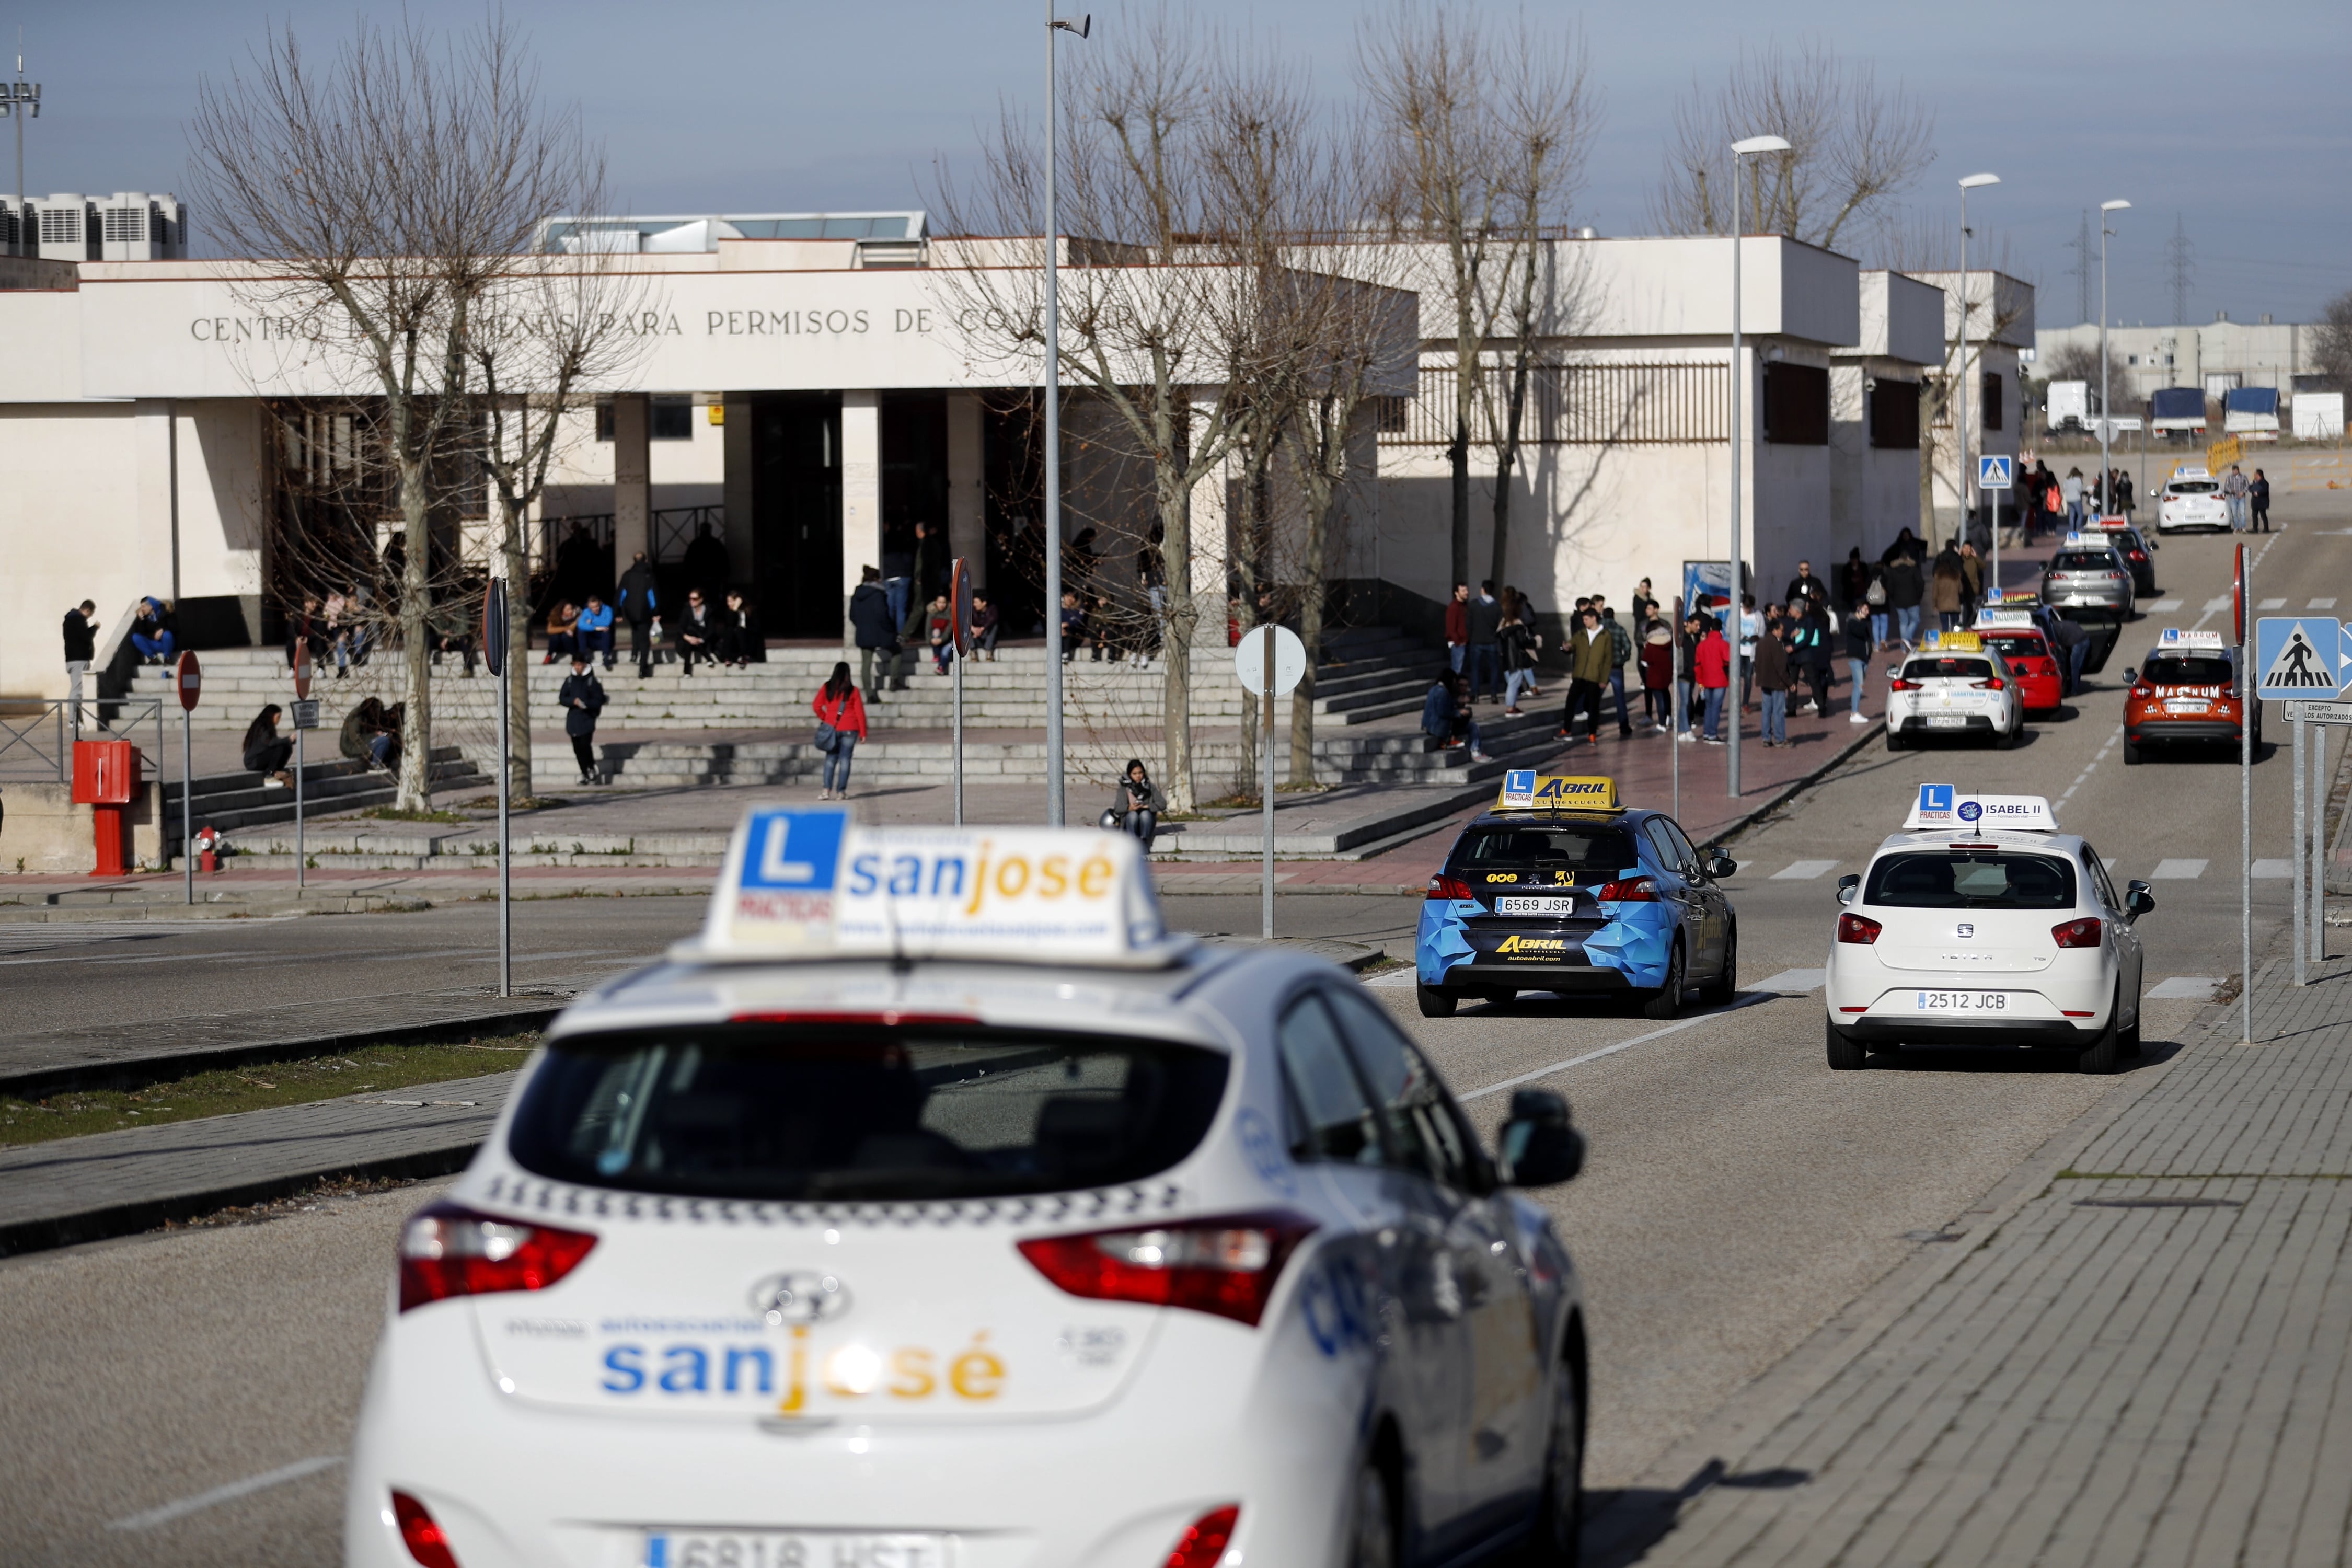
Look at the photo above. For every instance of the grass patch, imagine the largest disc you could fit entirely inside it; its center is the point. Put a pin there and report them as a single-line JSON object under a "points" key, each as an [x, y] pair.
{"points": [[395, 814], [1233, 803], [517, 802], [222, 1090]]}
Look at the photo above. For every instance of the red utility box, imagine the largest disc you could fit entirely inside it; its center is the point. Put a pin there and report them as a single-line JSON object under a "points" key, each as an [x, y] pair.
{"points": [[106, 776]]}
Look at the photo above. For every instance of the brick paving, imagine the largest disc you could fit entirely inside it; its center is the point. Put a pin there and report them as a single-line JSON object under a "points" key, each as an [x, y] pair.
{"points": [[2142, 1361]]}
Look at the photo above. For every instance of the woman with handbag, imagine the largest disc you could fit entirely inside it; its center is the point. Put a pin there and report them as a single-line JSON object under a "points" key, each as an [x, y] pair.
{"points": [[840, 725]]}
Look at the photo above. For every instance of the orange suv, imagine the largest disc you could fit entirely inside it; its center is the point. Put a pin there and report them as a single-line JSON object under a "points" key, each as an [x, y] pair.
{"points": [[2187, 692]]}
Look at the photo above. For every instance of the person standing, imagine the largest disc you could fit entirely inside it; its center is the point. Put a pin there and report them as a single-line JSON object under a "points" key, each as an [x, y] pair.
{"points": [[873, 627], [2072, 489], [2124, 499], [81, 650], [1804, 585], [1588, 650], [1900, 576], [2234, 490], [582, 698], [1657, 671], [1711, 662], [1861, 643], [1853, 577], [2259, 495], [1972, 579], [1457, 627], [840, 725], [1947, 590], [1645, 601], [1484, 616], [1772, 678], [1621, 653], [1809, 649], [636, 599], [1751, 626], [1518, 642]]}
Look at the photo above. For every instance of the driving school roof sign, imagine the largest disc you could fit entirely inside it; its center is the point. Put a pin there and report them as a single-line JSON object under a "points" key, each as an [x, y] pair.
{"points": [[1524, 790], [1947, 806], [811, 884]]}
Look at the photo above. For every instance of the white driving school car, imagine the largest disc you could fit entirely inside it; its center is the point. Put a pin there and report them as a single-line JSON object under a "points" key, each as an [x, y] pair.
{"points": [[938, 1208], [1981, 924], [1954, 685]]}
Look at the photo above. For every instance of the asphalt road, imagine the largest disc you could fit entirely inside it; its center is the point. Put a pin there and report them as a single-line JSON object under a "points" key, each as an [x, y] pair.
{"points": [[1737, 1196]]}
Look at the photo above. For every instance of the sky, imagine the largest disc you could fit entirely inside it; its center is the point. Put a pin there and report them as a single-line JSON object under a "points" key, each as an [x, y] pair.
{"points": [[2244, 140]]}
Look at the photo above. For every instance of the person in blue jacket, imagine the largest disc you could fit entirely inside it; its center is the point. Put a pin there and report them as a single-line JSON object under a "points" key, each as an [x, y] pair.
{"points": [[1446, 716], [594, 630]]}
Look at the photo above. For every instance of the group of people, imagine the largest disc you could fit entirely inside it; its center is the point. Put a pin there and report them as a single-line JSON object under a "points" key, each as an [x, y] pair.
{"points": [[2047, 503], [729, 635], [883, 636]]}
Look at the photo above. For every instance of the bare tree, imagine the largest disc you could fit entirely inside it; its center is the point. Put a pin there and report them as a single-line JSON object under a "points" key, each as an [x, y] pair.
{"points": [[393, 187], [2331, 345], [2079, 362], [1853, 145]]}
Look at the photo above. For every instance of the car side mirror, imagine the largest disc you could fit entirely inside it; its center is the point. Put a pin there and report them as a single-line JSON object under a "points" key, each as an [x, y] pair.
{"points": [[1847, 887], [1538, 1147], [2131, 676], [1718, 865], [2138, 898]]}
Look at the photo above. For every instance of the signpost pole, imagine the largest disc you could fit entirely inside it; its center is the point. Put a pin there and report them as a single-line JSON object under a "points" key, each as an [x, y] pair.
{"points": [[2302, 937], [1280, 663], [1266, 745], [187, 791], [2240, 595], [2317, 922], [494, 646], [301, 695], [959, 639], [298, 880], [958, 684]]}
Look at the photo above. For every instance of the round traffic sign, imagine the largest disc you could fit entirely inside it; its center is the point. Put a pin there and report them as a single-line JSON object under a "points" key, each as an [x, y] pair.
{"points": [[959, 598], [191, 680], [1290, 659], [302, 662], [494, 627], [2238, 598]]}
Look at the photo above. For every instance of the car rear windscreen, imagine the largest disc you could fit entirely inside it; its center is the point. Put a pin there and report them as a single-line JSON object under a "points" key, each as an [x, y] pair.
{"points": [[2015, 646], [2175, 669], [1948, 669], [1605, 848], [862, 1113], [2192, 488], [2083, 561], [1971, 880]]}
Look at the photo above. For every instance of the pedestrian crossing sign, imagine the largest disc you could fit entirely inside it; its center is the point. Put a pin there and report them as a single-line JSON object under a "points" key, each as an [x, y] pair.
{"points": [[2300, 655], [1992, 472]]}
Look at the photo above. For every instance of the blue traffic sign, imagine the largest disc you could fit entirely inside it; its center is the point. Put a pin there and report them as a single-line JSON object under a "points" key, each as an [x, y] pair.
{"points": [[2301, 655], [1992, 473]]}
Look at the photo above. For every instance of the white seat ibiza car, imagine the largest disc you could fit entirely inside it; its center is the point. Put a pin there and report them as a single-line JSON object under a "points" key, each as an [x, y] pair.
{"points": [[1982, 925], [939, 1210], [1954, 685], [2192, 498]]}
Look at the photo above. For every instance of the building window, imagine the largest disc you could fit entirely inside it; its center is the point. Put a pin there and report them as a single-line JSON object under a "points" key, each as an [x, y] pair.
{"points": [[1895, 415], [1795, 404], [670, 419], [1393, 414], [1991, 400]]}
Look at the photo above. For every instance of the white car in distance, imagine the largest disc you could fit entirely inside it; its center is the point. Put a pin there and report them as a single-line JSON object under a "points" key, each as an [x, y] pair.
{"points": [[2192, 498], [1954, 685]]}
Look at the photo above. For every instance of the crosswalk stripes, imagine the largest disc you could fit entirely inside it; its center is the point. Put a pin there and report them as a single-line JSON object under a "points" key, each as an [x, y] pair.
{"points": [[2277, 870], [2218, 603], [2321, 604], [2185, 988], [2272, 605], [1792, 981], [2184, 870], [1804, 870], [2164, 606]]}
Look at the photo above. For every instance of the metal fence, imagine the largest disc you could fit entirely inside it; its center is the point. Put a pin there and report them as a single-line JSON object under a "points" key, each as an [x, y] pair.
{"points": [[1608, 404], [37, 737], [672, 530]]}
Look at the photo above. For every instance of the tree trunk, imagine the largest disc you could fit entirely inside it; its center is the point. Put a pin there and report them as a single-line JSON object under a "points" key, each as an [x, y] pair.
{"points": [[1310, 633], [416, 787], [1176, 642], [1458, 457], [517, 571]]}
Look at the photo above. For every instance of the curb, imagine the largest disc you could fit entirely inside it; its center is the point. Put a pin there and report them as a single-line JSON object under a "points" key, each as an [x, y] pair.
{"points": [[128, 1219], [127, 1070], [1787, 792]]}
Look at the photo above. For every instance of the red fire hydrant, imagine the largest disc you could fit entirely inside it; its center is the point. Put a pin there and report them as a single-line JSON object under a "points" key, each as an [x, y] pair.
{"points": [[208, 843], [106, 776]]}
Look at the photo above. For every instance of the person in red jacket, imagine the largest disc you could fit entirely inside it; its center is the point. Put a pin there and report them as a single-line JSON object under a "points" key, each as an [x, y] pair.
{"points": [[1457, 626], [1712, 663], [840, 725]]}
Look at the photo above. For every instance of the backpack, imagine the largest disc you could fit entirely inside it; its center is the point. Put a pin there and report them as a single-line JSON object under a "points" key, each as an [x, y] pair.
{"points": [[1875, 596]]}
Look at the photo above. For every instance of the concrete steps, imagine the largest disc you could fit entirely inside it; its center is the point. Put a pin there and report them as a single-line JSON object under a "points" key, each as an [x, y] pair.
{"points": [[235, 803]]}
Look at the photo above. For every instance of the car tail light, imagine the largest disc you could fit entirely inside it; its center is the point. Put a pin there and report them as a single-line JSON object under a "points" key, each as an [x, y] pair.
{"points": [[1990, 683], [1858, 929], [2142, 694], [2139, 555], [445, 1251], [1899, 684], [1203, 1545], [421, 1533], [2083, 933], [1629, 890], [1228, 1264], [1442, 887]]}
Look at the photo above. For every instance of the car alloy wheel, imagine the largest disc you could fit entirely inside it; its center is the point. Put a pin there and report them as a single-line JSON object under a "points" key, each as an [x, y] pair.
{"points": [[1371, 1531], [1559, 1542]]}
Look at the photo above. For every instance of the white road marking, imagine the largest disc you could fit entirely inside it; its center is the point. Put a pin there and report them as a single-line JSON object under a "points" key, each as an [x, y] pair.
{"points": [[2185, 988], [2094, 762], [2320, 604], [229, 1493], [2164, 606], [2274, 870], [2111, 862], [1802, 870], [2184, 870], [1746, 1001], [2214, 605], [2272, 605], [1792, 982]]}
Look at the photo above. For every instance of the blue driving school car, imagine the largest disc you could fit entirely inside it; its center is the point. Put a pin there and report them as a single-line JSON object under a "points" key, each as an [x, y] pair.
{"points": [[1558, 888]]}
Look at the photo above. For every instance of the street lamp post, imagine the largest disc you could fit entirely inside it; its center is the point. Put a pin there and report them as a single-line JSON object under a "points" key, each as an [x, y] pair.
{"points": [[2106, 410], [1964, 390], [1740, 150], [21, 100], [1053, 530]]}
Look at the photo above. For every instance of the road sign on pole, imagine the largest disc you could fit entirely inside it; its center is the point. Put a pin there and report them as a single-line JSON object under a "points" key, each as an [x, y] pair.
{"points": [[1992, 472], [2298, 656], [1270, 661]]}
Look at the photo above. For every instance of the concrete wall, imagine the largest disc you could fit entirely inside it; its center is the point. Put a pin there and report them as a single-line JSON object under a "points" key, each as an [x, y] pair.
{"points": [[41, 829]]}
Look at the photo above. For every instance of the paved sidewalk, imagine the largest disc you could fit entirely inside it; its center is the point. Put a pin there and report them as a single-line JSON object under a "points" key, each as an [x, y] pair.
{"points": [[79, 1189], [2141, 1356]]}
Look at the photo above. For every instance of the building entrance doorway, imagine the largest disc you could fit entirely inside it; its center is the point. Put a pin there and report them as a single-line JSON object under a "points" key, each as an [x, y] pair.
{"points": [[796, 514]]}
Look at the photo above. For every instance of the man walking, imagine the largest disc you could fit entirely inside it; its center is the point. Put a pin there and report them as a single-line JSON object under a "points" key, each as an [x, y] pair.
{"points": [[875, 629], [1486, 623], [1457, 627], [2234, 490], [1903, 585], [1772, 677], [2259, 494], [634, 599], [81, 648], [1589, 651], [1804, 584], [582, 698], [1621, 653]]}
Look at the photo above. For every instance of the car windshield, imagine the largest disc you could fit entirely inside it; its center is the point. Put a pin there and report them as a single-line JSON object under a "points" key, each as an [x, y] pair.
{"points": [[1948, 669], [2192, 487], [2187, 669], [1971, 880], [2019, 645], [862, 1113], [2083, 561], [1579, 847]]}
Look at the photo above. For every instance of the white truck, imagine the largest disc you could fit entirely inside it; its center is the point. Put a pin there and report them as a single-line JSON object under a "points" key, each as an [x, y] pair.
{"points": [[2070, 405]]}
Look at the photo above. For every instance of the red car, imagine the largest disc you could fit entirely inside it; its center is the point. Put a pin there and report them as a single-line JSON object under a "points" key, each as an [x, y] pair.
{"points": [[2040, 682]]}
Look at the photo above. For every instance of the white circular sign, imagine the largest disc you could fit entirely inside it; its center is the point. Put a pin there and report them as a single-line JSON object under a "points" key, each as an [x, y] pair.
{"points": [[1290, 659]]}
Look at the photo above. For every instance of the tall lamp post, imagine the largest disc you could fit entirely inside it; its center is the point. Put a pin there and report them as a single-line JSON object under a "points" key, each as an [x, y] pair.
{"points": [[1055, 26], [1740, 150], [1964, 391], [2106, 410], [21, 100]]}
